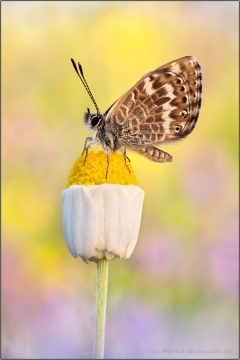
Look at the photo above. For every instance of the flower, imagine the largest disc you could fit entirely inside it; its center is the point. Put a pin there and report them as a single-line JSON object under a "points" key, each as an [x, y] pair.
{"points": [[101, 218]]}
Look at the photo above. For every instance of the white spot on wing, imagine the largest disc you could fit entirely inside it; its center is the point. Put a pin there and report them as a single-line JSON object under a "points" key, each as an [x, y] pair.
{"points": [[175, 68], [167, 108], [148, 86]]}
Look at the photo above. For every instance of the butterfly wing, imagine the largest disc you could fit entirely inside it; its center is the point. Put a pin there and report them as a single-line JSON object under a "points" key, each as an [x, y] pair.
{"points": [[162, 106]]}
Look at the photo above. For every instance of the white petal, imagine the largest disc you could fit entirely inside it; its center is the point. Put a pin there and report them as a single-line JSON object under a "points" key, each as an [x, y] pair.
{"points": [[98, 193], [79, 220], [137, 198], [116, 219]]}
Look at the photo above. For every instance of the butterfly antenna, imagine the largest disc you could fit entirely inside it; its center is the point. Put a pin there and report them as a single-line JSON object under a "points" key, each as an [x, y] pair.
{"points": [[79, 72]]}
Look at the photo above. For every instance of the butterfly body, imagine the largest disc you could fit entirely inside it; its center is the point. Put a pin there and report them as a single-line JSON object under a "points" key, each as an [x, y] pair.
{"points": [[114, 137], [162, 107]]}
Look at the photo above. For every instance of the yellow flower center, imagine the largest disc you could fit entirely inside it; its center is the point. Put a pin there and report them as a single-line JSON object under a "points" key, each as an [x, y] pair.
{"points": [[93, 172]]}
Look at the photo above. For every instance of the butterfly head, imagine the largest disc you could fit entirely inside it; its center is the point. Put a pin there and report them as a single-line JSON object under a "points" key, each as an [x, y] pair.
{"points": [[92, 121]]}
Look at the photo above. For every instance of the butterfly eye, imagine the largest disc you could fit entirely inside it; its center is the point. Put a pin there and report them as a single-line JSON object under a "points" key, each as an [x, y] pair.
{"points": [[183, 113], [177, 128], [95, 120]]}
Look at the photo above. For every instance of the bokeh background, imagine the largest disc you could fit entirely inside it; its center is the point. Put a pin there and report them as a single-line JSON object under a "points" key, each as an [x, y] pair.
{"points": [[177, 296]]}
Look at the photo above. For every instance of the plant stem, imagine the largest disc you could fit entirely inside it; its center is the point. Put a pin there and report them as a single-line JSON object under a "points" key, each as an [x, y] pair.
{"points": [[101, 303]]}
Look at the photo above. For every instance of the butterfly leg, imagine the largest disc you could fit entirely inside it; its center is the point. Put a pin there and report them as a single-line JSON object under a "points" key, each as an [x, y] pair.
{"points": [[154, 154], [126, 157], [85, 144], [108, 162], [86, 148]]}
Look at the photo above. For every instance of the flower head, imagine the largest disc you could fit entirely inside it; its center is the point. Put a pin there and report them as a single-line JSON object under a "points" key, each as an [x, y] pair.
{"points": [[101, 218]]}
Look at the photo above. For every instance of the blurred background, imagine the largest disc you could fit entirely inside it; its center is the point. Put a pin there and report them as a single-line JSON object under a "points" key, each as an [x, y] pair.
{"points": [[177, 296]]}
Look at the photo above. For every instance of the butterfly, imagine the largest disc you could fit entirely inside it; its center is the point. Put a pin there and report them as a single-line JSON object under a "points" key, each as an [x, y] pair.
{"points": [[162, 107]]}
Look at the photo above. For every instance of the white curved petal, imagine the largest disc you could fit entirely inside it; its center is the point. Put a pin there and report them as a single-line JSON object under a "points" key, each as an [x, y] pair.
{"points": [[137, 198], [98, 193], [117, 218], [79, 220]]}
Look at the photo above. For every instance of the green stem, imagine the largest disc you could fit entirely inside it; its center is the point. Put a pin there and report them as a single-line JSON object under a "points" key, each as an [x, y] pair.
{"points": [[101, 303]]}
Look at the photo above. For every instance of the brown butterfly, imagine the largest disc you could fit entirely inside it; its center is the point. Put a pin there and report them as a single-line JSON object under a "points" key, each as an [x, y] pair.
{"points": [[162, 107]]}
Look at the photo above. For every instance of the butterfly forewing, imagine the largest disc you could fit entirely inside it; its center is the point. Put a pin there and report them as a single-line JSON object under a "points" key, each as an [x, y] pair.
{"points": [[162, 106]]}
